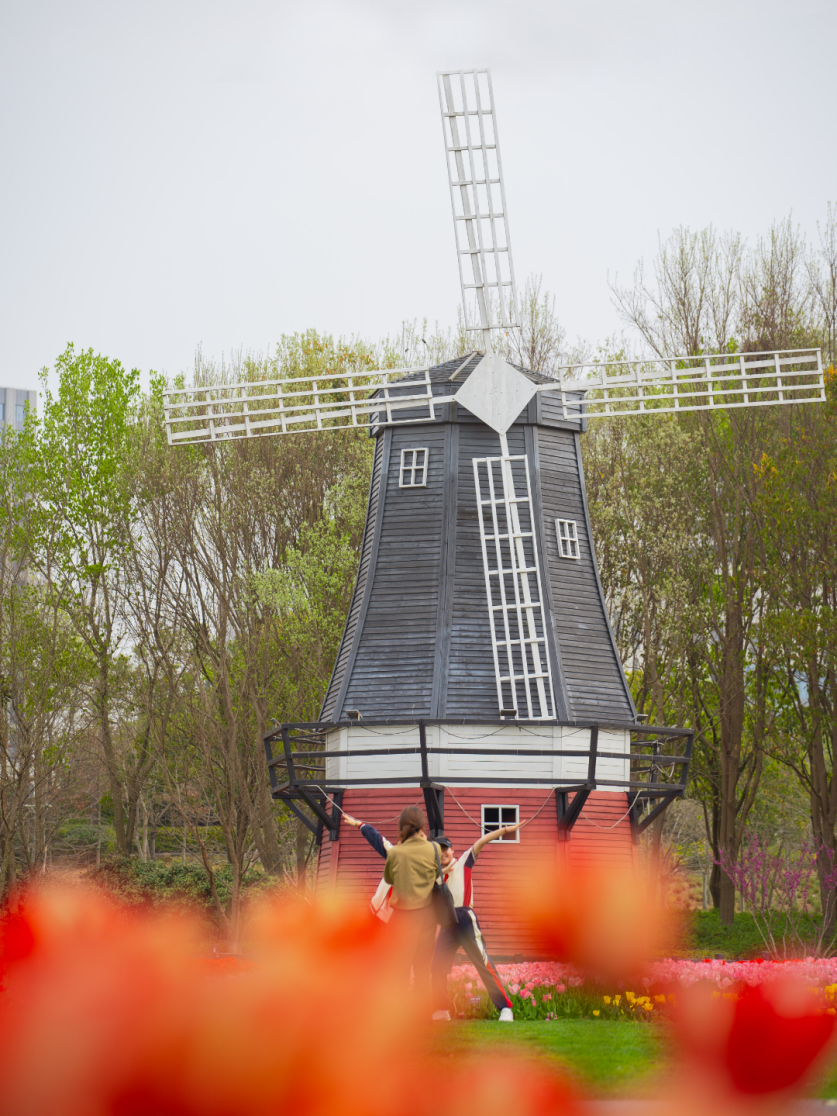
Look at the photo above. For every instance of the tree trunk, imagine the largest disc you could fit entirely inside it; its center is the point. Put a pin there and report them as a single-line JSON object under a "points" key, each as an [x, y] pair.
{"points": [[654, 861], [123, 842], [143, 843], [302, 835], [234, 912], [731, 694], [823, 797], [715, 886], [726, 906], [825, 845], [260, 804]]}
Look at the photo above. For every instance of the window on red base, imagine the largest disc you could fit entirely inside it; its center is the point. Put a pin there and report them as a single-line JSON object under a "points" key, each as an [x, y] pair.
{"points": [[495, 816]]}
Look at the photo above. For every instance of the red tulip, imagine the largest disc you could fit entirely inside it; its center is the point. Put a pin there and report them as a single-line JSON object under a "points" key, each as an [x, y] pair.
{"points": [[592, 916], [762, 1042], [107, 1013]]}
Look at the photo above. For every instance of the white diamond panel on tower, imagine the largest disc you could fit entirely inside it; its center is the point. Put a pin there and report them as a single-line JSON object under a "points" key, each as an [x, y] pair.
{"points": [[478, 198], [496, 393]]}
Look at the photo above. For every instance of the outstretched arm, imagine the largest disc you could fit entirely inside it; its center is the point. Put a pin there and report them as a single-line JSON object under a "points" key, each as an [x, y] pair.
{"points": [[378, 842], [493, 835]]}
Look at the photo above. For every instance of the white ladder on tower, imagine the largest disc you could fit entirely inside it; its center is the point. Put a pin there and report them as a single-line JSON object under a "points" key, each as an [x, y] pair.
{"points": [[513, 585]]}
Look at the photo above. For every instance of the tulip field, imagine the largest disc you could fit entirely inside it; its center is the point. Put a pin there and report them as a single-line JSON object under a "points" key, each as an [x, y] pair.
{"points": [[140, 1018], [552, 991]]}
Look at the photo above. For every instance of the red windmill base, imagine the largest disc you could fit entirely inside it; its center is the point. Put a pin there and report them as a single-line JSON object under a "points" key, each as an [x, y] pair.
{"points": [[602, 831], [583, 792]]}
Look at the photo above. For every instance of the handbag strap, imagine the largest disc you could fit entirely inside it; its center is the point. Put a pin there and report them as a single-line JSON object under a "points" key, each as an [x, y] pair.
{"points": [[438, 860]]}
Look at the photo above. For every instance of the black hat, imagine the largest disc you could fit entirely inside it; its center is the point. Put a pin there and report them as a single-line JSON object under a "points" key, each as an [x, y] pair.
{"points": [[443, 842]]}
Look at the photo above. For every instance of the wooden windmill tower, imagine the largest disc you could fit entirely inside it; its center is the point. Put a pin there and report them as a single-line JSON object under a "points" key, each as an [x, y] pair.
{"points": [[477, 670]]}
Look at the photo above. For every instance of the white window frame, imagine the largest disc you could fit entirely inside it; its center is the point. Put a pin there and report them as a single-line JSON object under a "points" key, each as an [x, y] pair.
{"points": [[568, 541], [411, 474], [514, 839]]}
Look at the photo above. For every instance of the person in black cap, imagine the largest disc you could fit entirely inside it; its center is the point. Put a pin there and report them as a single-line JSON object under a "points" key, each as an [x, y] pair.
{"points": [[466, 933]]}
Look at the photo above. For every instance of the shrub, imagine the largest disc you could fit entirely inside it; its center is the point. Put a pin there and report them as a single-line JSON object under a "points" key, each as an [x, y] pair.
{"points": [[150, 883]]}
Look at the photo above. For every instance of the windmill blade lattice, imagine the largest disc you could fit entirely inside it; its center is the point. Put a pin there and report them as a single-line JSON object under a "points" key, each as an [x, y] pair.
{"points": [[478, 200], [704, 383], [335, 401], [513, 585]]}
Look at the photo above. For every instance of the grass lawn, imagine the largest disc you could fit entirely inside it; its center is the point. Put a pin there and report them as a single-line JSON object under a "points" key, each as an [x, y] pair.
{"points": [[605, 1057]]}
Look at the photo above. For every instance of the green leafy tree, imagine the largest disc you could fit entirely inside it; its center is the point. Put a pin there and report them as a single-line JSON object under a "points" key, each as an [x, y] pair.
{"points": [[43, 674], [240, 579], [712, 294], [798, 506], [87, 516]]}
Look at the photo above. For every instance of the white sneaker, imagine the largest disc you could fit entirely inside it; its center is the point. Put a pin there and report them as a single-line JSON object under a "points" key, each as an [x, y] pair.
{"points": [[506, 1015], [442, 1015]]}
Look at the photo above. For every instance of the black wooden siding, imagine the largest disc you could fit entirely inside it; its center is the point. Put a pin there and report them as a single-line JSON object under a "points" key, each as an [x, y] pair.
{"points": [[329, 711], [551, 413], [417, 641], [393, 668], [593, 676], [471, 684]]}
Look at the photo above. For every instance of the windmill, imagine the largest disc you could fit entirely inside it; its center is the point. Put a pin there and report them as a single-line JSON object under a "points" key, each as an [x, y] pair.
{"points": [[477, 669]]}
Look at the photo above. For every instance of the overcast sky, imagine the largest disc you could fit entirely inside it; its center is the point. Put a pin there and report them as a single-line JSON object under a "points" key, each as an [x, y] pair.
{"points": [[200, 172]]}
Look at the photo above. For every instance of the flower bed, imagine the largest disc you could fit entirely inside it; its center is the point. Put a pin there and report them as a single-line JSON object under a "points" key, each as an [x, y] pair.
{"points": [[549, 990]]}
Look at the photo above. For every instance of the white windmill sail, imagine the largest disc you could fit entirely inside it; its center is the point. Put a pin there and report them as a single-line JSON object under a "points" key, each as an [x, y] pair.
{"points": [[339, 401], [496, 393], [333, 401], [690, 383], [478, 201]]}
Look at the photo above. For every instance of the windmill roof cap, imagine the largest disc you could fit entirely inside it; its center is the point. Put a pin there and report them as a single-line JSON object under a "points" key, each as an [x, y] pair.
{"points": [[441, 373]]}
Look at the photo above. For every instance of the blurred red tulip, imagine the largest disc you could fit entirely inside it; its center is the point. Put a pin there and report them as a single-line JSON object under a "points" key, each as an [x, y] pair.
{"points": [[107, 1013], [499, 1085], [762, 1042], [593, 916]]}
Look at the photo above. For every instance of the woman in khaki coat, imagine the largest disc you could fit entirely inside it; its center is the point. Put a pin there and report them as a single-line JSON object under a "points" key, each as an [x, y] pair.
{"points": [[412, 869]]}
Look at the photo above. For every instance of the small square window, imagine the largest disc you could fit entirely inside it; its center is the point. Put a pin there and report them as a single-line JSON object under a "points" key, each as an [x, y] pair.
{"points": [[413, 468], [495, 816], [19, 413], [567, 538]]}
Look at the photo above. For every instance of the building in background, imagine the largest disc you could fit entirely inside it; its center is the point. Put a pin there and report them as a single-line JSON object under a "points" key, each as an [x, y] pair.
{"points": [[13, 405]]}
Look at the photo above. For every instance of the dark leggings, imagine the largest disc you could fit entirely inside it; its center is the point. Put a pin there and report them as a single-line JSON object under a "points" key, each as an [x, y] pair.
{"points": [[468, 935]]}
